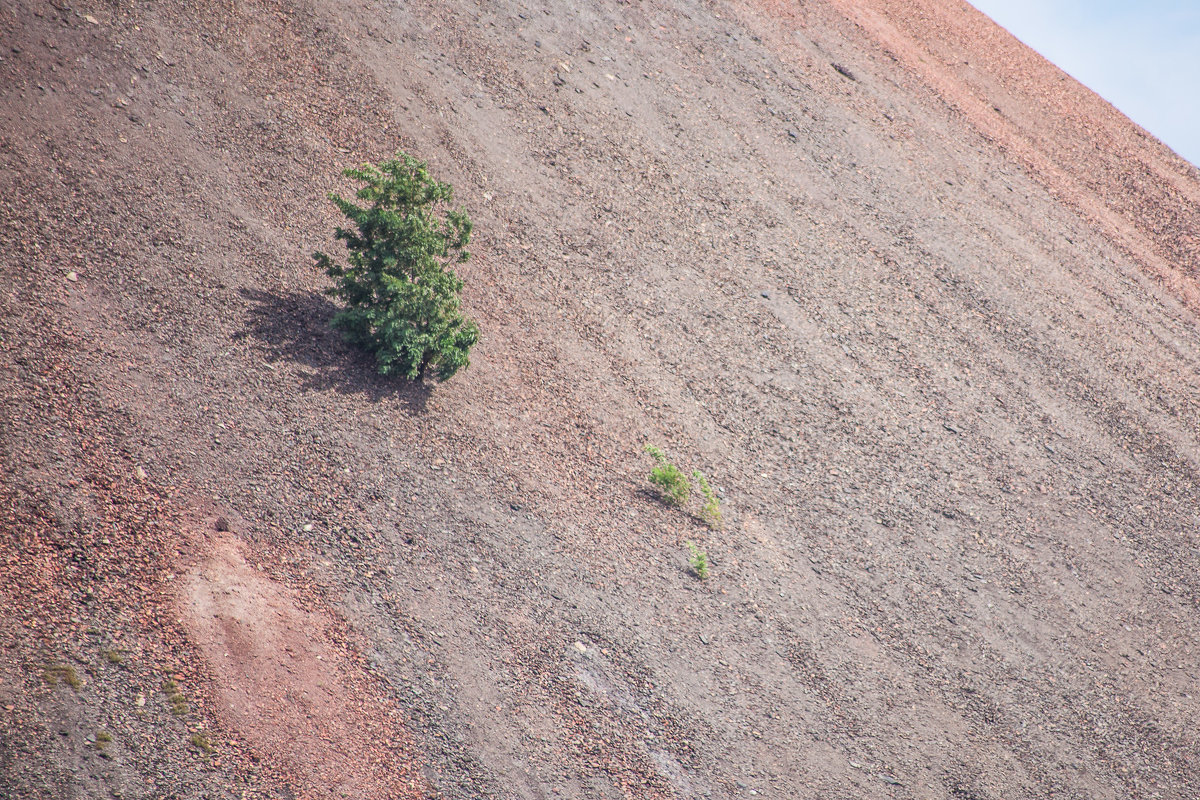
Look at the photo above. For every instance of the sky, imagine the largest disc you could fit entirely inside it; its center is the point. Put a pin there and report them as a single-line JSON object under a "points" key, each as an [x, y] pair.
{"points": [[1143, 56]]}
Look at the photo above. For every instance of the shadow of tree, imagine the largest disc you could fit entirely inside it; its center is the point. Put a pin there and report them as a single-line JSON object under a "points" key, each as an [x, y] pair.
{"points": [[649, 495], [294, 327]]}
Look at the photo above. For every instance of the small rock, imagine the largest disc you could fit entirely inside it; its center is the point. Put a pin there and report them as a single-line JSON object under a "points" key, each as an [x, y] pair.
{"points": [[139, 473], [72, 276], [307, 527], [90, 19], [581, 647]]}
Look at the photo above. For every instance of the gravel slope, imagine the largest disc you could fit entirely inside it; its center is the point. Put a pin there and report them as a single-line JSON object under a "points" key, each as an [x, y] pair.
{"points": [[921, 307]]}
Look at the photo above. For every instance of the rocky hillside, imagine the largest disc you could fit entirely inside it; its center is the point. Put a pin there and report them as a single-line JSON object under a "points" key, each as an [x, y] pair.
{"points": [[922, 308]]}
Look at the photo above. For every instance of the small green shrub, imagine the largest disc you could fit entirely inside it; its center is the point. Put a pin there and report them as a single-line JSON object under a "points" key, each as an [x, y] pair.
{"points": [[401, 293], [203, 744], [710, 512], [697, 560], [103, 739], [53, 673], [112, 655], [671, 482], [175, 698]]}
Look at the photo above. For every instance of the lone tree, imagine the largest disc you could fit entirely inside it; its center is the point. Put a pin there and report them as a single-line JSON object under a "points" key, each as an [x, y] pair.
{"points": [[399, 286]]}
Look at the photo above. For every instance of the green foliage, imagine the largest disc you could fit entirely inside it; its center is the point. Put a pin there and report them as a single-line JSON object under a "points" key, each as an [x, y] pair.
{"points": [[676, 489], [710, 512], [176, 699], [53, 673], [671, 482], [103, 739], [697, 560], [400, 290], [203, 744]]}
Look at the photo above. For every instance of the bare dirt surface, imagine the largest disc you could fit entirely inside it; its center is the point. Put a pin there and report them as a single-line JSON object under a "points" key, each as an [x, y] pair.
{"points": [[923, 308]]}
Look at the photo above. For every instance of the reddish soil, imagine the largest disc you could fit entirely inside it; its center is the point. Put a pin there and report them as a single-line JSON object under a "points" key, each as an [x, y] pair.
{"points": [[922, 307]]}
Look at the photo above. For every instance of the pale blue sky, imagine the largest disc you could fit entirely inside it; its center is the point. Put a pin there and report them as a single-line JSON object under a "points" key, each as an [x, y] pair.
{"points": [[1143, 56]]}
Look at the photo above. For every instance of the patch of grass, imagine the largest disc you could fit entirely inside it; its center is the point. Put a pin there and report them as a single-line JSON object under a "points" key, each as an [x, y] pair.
{"points": [[178, 703], [112, 655], [697, 560], [53, 673], [710, 512], [103, 739], [203, 744], [669, 479]]}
